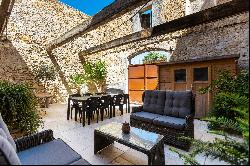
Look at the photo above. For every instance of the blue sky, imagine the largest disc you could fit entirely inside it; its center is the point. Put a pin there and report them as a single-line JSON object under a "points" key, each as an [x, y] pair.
{"points": [[89, 7]]}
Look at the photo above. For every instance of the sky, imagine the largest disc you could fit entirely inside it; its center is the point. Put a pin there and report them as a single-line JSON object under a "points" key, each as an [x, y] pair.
{"points": [[89, 7]]}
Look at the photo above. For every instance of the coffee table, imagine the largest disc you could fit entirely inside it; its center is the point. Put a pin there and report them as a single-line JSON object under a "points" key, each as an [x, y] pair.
{"points": [[149, 143]]}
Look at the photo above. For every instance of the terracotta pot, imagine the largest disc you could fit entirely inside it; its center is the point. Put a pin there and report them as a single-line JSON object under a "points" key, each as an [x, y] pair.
{"points": [[126, 128]]}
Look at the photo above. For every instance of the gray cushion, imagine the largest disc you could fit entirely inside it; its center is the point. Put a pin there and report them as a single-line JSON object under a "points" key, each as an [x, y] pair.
{"points": [[5, 129], [178, 103], [168, 121], [81, 162], [55, 152], [144, 116], [154, 101], [8, 151]]}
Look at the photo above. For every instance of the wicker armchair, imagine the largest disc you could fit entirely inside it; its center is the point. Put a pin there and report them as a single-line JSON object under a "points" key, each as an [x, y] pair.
{"points": [[159, 114], [42, 149]]}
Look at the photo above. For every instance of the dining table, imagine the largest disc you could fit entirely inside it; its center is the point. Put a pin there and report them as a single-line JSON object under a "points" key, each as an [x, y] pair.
{"points": [[83, 100]]}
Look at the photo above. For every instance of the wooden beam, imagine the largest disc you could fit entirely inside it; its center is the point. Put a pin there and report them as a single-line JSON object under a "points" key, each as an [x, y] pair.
{"points": [[114, 10], [212, 14], [5, 11]]}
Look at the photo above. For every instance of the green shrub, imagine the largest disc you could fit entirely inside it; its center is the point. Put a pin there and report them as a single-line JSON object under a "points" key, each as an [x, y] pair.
{"points": [[225, 103], [229, 116], [154, 57], [228, 83], [18, 107]]}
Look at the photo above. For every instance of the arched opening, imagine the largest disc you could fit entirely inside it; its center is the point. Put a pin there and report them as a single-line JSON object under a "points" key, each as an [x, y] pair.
{"points": [[149, 56]]}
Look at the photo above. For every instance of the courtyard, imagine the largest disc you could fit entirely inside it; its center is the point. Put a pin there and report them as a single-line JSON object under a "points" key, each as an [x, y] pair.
{"points": [[124, 82], [81, 140]]}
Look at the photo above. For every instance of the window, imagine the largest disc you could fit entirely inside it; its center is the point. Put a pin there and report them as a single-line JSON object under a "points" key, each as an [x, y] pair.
{"points": [[201, 74], [180, 75], [146, 19]]}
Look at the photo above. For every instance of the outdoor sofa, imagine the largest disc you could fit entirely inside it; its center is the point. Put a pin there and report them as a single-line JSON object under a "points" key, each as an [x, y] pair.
{"points": [[37, 149], [170, 113]]}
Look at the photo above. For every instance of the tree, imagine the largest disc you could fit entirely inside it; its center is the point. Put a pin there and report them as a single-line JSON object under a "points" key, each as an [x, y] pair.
{"points": [[94, 73], [44, 73], [154, 57]]}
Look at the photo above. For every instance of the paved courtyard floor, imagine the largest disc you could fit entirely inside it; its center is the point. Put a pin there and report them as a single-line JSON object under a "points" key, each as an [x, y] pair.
{"points": [[81, 139]]}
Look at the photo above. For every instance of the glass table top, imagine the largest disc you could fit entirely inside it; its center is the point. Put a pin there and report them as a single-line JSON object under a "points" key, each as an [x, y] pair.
{"points": [[138, 137]]}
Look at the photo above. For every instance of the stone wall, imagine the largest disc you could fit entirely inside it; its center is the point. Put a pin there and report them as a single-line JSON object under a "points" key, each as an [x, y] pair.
{"points": [[34, 23], [193, 6], [12, 66], [219, 38]]}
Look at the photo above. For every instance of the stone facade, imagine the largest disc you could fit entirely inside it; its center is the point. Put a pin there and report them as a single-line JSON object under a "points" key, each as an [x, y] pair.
{"points": [[12, 67], [223, 37], [34, 23]]}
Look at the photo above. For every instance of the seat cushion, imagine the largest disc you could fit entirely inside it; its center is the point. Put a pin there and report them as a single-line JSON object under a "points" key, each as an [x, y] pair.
{"points": [[178, 103], [154, 101], [144, 116], [6, 130], [56, 152], [168, 121]]}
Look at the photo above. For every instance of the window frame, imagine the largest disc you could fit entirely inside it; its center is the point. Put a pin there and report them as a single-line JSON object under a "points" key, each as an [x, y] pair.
{"points": [[185, 75], [148, 8], [200, 81]]}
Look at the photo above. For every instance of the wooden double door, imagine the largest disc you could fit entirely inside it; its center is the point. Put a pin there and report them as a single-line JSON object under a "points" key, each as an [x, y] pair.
{"points": [[141, 78]]}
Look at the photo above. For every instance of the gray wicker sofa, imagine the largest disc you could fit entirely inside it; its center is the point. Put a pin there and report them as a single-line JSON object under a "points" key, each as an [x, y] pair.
{"points": [[37, 149], [169, 113]]}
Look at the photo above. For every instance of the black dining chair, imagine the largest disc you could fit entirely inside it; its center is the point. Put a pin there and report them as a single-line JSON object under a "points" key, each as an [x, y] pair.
{"points": [[105, 105], [114, 91], [126, 102], [87, 94], [75, 105], [117, 101], [102, 93], [93, 106]]}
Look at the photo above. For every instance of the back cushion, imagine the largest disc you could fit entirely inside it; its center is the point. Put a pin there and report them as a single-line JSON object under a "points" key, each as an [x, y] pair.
{"points": [[6, 130], [154, 101], [8, 151], [178, 103]]}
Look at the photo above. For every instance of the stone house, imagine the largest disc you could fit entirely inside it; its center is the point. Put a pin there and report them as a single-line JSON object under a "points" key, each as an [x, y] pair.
{"points": [[35, 24]]}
